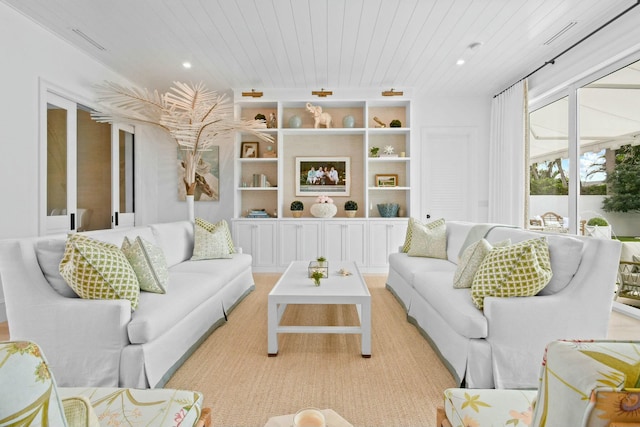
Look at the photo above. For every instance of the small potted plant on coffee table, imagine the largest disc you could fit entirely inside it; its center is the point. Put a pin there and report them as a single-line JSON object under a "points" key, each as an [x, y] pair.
{"points": [[350, 208], [296, 208], [316, 276]]}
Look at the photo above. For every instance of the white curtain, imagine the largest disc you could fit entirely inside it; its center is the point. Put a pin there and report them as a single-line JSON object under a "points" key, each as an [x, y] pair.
{"points": [[508, 150]]}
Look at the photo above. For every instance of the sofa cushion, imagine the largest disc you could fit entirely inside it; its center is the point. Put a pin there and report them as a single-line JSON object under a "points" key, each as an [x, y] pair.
{"points": [[175, 239], [49, 253], [470, 261], [210, 244], [456, 236], [117, 235], [190, 283], [565, 253], [453, 305], [629, 250], [148, 262], [98, 270], [408, 266], [211, 227], [428, 240], [522, 269]]}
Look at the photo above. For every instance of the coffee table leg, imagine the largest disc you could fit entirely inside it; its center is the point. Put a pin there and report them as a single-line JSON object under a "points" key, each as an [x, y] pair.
{"points": [[365, 325], [272, 326]]}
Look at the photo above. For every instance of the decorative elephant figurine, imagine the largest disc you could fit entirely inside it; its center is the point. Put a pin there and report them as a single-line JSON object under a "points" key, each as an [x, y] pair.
{"points": [[320, 117]]}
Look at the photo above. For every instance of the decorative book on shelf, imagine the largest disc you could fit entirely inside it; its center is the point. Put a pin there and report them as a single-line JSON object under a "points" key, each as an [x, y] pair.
{"points": [[258, 213]]}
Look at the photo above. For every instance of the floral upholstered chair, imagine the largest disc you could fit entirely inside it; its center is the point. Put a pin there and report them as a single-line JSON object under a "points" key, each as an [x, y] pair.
{"points": [[29, 396], [583, 383]]}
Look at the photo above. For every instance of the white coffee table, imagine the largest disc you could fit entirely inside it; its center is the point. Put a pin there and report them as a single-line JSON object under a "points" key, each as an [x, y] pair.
{"points": [[295, 287]]}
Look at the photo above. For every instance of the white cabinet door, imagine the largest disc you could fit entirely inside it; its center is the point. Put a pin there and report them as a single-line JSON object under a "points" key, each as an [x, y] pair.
{"points": [[299, 241], [385, 237], [346, 241], [258, 239]]}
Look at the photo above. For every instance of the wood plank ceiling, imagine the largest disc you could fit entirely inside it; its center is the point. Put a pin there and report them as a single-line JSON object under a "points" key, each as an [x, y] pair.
{"points": [[401, 44]]}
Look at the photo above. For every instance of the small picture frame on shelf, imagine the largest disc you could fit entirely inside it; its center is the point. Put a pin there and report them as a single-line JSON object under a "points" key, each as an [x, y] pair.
{"points": [[387, 180], [249, 150]]}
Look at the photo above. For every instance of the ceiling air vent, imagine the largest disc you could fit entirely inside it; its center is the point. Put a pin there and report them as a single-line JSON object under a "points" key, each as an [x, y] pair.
{"points": [[566, 28], [88, 39]]}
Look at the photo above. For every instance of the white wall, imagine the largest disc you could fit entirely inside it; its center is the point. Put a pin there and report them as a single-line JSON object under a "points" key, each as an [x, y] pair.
{"points": [[30, 53]]}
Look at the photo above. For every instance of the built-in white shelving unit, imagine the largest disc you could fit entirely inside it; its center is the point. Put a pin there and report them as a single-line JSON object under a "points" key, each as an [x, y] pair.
{"points": [[367, 238]]}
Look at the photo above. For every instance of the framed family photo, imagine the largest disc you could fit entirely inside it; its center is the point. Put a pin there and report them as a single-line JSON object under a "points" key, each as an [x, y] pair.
{"points": [[387, 180], [323, 175]]}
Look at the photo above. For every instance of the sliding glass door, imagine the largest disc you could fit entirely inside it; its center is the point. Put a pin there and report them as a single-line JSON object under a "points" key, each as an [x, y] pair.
{"points": [[596, 121]]}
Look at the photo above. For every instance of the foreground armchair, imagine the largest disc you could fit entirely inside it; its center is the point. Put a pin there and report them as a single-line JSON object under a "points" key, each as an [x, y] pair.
{"points": [[30, 397], [583, 383]]}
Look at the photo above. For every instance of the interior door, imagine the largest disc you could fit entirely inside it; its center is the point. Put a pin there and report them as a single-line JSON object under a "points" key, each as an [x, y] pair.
{"points": [[447, 190], [87, 172]]}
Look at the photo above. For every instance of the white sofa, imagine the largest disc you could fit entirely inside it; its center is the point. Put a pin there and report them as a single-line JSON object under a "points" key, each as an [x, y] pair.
{"points": [[502, 345], [102, 343]]}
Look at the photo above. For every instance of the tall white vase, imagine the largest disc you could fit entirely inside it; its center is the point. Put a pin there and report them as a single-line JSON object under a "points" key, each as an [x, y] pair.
{"points": [[190, 208]]}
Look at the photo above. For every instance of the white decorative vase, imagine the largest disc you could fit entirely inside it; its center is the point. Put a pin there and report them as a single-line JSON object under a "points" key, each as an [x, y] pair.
{"points": [[190, 208], [323, 210]]}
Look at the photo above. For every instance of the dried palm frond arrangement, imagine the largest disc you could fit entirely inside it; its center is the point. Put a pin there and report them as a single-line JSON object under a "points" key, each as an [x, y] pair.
{"points": [[193, 115]]}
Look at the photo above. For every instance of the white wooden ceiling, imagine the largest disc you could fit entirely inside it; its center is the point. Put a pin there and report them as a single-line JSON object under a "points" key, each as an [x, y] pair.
{"points": [[331, 44]]}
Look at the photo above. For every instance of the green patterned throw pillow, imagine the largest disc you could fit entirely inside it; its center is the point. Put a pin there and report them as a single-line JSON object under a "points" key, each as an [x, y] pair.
{"points": [[470, 261], [149, 263], [521, 269], [210, 244], [98, 270], [211, 227], [428, 240]]}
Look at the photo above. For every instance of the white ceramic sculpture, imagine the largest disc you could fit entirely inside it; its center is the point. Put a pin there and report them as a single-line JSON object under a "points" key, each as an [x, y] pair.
{"points": [[319, 117]]}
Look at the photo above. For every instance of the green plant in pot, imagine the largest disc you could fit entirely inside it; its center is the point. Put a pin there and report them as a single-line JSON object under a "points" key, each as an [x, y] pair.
{"points": [[350, 208], [321, 260], [395, 123], [600, 222], [296, 208], [373, 151], [598, 227]]}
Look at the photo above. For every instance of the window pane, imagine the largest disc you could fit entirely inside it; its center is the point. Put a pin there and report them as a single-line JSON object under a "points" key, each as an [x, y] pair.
{"points": [[56, 160], [126, 171], [609, 125], [549, 167], [94, 173]]}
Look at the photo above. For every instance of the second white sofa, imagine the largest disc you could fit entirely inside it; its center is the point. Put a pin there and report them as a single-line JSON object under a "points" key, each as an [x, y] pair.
{"points": [[502, 345]]}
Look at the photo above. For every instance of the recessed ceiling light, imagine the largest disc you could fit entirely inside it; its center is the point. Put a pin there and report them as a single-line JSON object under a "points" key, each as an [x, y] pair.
{"points": [[186, 65], [460, 61]]}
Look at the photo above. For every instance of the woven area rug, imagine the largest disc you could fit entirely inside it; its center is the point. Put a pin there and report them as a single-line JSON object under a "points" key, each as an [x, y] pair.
{"points": [[400, 385]]}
